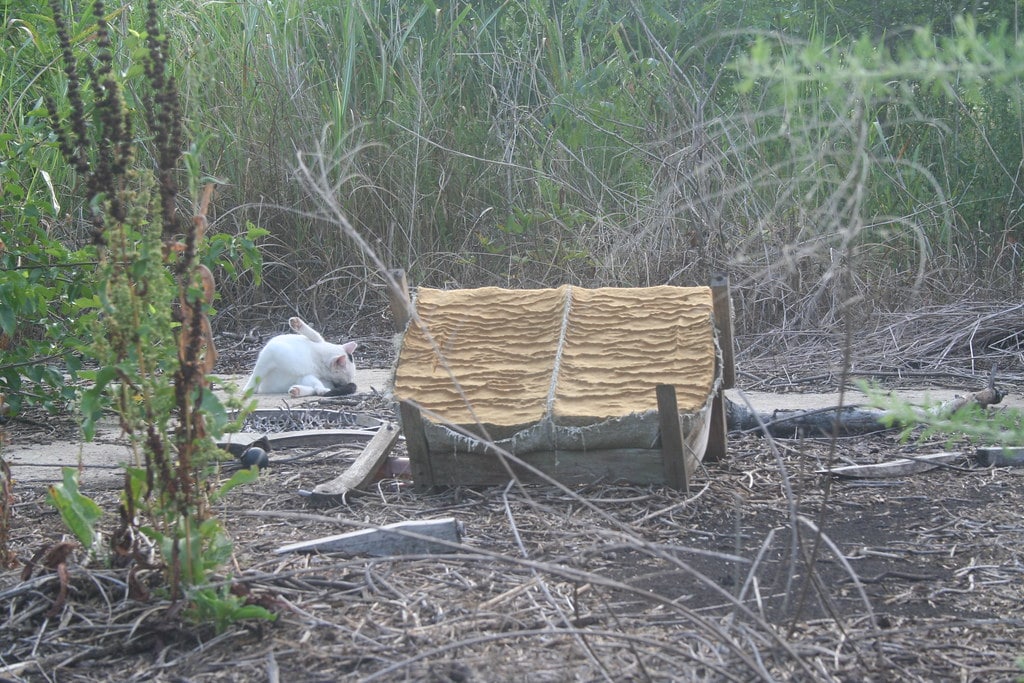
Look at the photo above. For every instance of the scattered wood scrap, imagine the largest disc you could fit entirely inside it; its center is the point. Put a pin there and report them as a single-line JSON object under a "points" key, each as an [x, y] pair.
{"points": [[363, 470], [894, 468], [311, 438], [414, 537], [998, 456]]}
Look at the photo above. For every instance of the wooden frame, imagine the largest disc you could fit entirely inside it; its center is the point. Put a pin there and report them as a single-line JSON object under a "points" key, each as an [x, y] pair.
{"points": [[670, 463]]}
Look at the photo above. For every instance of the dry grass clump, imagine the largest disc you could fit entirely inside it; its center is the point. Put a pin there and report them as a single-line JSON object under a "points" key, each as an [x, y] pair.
{"points": [[917, 578], [952, 345]]}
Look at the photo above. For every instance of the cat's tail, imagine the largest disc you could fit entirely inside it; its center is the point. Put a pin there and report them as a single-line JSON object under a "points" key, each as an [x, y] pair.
{"points": [[341, 389]]}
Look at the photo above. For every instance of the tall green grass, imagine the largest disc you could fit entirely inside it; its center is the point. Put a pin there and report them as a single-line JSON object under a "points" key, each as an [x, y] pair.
{"points": [[516, 143], [529, 143]]}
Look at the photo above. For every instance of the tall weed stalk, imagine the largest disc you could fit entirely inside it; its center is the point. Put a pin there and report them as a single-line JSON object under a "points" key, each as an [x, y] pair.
{"points": [[153, 344]]}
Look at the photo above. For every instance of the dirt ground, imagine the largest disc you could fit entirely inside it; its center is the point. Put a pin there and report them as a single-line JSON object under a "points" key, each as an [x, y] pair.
{"points": [[765, 570]]}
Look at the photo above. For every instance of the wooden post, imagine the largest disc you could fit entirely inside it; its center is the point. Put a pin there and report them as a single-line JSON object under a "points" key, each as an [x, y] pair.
{"points": [[416, 445], [672, 456], [718, 433], [722, 302], [401, 300], [719, 429]]}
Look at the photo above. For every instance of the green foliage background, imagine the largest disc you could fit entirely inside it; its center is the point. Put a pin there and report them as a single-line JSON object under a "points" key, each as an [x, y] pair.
{"points": [[530, 143]]}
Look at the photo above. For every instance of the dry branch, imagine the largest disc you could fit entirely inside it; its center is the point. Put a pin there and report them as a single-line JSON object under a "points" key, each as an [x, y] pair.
{"points": [[947, 345], [416, 537]]}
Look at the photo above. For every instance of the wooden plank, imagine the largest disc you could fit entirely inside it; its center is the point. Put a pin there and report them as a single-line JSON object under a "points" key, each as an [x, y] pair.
{"points": [[320, 437], [400, 299], [453, 465], [718, 435], [672, 456], [363, 470], [572, 468], [416, 443], [415, 537], [722, 302], [900, 467]]}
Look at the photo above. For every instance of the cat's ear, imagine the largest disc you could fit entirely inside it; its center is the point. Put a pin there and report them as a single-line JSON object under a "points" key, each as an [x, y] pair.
{"points": [[346, 358]]}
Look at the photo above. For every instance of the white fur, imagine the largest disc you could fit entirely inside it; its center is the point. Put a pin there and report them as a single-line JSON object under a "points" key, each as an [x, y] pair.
{"points": [[302, 364]]}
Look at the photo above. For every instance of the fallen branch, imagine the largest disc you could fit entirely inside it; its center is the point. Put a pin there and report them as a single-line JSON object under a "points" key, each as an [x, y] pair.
{"points": [[415, 537]]}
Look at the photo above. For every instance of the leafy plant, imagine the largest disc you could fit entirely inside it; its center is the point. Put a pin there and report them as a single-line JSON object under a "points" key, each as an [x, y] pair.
{"points": [[875, 138], [45, 268], [995, 427], [236, 253], [223, 608], [79, 513], [152, 343]]}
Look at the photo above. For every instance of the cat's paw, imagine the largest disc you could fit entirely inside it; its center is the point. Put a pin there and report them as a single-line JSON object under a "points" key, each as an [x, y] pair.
{"points": [[298, 390], [296, 323]]}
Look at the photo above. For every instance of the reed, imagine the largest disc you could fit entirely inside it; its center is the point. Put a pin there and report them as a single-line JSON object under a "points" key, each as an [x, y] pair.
{"points": [[528, 143]]}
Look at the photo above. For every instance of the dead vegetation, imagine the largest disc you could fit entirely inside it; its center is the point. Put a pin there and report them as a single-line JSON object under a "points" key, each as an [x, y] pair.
{"points": [[915, 579], [952, 345], [730, 582]]}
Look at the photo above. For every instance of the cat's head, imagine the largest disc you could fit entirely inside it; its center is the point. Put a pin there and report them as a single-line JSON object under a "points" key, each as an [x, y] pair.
{"points": [[343, 367]]}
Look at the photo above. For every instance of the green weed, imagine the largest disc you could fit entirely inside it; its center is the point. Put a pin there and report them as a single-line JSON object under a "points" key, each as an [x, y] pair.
{"points": [[152, 344]]}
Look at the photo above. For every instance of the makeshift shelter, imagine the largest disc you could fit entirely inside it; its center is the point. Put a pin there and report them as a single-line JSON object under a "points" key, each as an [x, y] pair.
{"points": [[613, 384]]}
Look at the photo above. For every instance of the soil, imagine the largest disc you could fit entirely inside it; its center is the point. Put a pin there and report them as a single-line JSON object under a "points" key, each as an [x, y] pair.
{"points": [[766, 569]]}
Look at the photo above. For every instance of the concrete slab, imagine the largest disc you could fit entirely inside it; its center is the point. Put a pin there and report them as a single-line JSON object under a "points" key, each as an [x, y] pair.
{"points": [[768, 401], [102, 458]]}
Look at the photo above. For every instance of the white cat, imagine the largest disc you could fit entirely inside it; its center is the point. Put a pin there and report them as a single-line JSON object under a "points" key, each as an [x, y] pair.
{"points": [[303, 364]]}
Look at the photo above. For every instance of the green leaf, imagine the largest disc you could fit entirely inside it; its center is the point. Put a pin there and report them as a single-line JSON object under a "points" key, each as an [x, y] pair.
{"points": [[135, 486], [8, 319], [94, 400], [240, 477], [218, 419], [80, 513]]}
